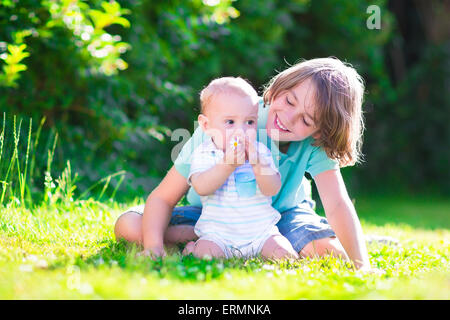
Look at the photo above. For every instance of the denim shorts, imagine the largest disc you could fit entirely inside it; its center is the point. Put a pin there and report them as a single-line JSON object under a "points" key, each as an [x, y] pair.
{"points": [[300, 225]]}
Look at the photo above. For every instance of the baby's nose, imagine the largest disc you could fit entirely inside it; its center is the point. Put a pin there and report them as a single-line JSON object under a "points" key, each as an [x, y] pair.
{"points": [[239, 131]]}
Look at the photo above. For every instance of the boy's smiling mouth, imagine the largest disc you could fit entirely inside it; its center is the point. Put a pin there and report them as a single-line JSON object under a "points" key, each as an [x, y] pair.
{"points": [[280, 125]]}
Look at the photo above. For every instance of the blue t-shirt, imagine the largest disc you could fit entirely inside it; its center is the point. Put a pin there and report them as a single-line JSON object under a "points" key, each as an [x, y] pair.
{"points": [[301, 157]]}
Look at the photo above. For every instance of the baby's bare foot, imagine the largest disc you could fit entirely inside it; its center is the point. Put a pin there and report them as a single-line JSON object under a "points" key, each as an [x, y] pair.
{"points": [[189, 248]]}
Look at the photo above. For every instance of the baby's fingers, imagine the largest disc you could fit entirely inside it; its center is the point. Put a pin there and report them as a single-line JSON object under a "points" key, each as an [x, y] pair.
{"points": [[240, 155]]}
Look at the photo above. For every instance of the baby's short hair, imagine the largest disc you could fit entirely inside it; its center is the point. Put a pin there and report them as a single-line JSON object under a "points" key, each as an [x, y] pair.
{"points": [[226, 85], [339, 91]]}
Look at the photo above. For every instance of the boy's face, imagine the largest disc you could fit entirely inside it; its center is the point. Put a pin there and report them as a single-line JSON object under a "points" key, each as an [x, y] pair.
{"points": [[227, 114], [291, 114]]}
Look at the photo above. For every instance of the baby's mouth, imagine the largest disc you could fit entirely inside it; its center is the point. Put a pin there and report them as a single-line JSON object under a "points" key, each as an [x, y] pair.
{"points": [[280, 125]]}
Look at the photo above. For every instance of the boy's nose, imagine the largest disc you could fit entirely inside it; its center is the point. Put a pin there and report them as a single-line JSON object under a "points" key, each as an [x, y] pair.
{"points": [[289, 116]]}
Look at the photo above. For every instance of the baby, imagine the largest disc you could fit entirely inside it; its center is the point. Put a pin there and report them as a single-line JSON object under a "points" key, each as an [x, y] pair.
{"points": [[235, 177]]}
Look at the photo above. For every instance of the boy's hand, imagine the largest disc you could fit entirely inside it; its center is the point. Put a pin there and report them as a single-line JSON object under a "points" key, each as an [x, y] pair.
{"points": [[371, 270], [153, 253]]}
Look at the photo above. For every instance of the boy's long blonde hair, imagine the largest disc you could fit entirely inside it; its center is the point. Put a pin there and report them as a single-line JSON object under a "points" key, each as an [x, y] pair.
{"points": [[339, 91]]}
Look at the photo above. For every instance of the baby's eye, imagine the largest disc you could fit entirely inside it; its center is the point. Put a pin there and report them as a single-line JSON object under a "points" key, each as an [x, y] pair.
{"points": [[229, 121], [250, 122]]}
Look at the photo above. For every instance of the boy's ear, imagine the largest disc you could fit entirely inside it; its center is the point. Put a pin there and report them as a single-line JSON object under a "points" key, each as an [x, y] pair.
{"points": [[203, 122]]}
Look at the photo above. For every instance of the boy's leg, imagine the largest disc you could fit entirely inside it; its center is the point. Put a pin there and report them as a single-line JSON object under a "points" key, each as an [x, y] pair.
{"points": [[278, 247], [129, 227], [323, 247], [179, 234], [309, 233], [202, 248]]}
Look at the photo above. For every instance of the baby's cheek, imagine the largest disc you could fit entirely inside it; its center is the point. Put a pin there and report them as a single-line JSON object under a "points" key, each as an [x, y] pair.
{"points": [[228, 137], [220, 142]]}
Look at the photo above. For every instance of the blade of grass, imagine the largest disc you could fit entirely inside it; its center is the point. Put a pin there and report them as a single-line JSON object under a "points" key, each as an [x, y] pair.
{"points": [[16, 152], [11, 165], [2, 140], [122, 177], [23, 177], [121, 172], [108, 180], [36, 140], [49, 185], [2, 137], [66, 184]]}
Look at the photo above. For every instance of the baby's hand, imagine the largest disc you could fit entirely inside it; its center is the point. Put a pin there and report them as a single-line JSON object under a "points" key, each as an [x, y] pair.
{"points": [[261, 165], [250, 147], [235, 151], [252, 152]]}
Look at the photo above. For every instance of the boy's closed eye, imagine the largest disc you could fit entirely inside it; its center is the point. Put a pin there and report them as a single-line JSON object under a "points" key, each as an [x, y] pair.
{"points": [[289, 102], [303, 118], [305, 122]]}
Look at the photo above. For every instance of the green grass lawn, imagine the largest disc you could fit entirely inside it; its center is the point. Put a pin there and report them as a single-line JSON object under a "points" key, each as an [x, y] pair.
{"points": [[69, 252]]}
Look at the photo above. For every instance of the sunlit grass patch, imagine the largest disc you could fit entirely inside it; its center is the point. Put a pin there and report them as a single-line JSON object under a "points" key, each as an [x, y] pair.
{"points": [[69, 251]]}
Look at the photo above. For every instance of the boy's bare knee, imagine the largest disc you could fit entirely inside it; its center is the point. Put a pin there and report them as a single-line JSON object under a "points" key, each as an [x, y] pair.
{"points": [[120, 225], [128, 227], [324, 247]]}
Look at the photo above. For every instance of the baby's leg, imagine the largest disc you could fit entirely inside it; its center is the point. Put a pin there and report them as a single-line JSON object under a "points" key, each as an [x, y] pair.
{"points": [[278, 247], [202, 248]]}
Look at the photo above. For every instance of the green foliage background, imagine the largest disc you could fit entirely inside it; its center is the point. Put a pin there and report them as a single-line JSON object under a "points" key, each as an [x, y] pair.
{"points": [[114, 78]]}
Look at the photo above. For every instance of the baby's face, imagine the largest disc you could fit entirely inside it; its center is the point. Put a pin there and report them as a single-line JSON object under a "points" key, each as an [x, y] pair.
{"points": [[230, 113]]}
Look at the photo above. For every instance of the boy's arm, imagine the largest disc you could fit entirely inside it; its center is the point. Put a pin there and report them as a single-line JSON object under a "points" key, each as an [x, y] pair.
{"points": [[161, 201], [158, 210], [341, 215]]}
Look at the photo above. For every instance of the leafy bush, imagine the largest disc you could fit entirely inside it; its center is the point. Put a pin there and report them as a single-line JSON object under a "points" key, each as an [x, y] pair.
{"points": [[114, 78]]}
